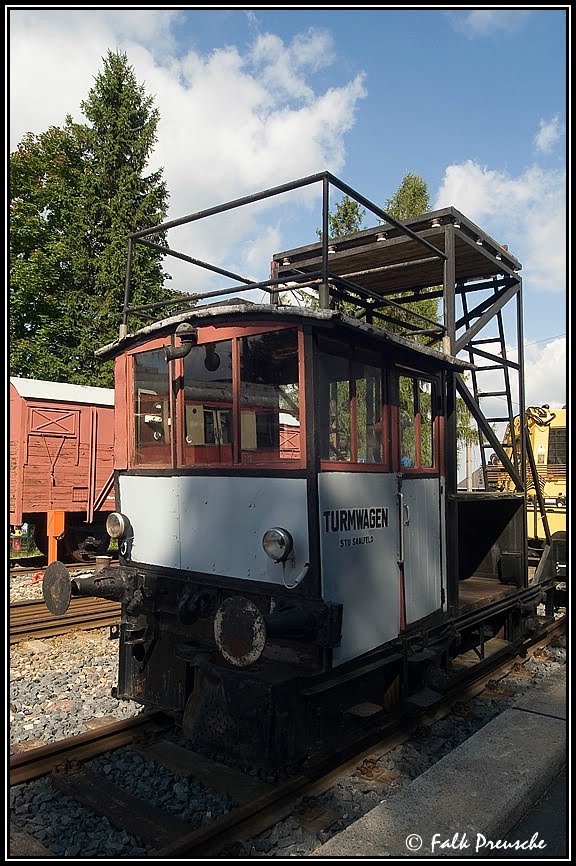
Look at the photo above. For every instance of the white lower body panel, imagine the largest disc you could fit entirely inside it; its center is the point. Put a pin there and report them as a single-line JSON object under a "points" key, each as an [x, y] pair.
{"points": [[214, 524]]}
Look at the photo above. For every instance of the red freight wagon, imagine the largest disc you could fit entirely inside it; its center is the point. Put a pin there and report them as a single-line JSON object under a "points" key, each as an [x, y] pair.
{"points": [[61, 464]]}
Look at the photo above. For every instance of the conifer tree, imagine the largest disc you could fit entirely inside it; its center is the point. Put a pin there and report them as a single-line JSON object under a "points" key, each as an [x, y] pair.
{"points": [[346, 219], [76, 194]]}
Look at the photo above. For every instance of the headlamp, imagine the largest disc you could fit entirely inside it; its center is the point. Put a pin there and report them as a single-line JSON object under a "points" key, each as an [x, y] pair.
{"points": [[278, 544], [116, 525]]}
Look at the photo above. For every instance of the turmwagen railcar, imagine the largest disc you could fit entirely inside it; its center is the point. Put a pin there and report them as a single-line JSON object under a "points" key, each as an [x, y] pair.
{"points": [[296, 561]]}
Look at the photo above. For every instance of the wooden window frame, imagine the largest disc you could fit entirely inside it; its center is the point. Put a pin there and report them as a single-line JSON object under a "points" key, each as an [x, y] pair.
{"points": [[214, 334], [437, 424], [133, 463], [353, 465]]}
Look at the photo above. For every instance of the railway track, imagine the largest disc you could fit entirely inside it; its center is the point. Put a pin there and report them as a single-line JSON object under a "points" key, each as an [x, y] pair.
{"points": [[259, 805], [17, 570], [31, 618]]}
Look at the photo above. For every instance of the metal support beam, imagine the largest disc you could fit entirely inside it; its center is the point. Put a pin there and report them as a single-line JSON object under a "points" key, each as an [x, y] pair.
{"points": [[383, 302], [168, 252], [55, 523], [365, 202], [498, 360], [230, 205], [480, 308], [124, 325], [449, 291], [305, 279], [504, 269], [324, 293], [485, 318]]}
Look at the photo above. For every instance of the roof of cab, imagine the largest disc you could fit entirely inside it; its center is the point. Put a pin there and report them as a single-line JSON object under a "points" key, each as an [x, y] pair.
{"points": [[244, 313]]}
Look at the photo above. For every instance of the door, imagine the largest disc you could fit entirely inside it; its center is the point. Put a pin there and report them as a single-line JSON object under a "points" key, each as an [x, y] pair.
{"points": [[421, 545], [420, 496]]}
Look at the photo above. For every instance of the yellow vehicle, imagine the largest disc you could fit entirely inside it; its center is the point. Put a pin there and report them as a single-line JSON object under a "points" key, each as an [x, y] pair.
{"points": [[546, 429]]}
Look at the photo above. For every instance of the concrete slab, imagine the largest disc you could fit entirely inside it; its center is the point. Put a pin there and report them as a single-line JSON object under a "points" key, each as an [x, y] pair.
{"points": [[466, 803], [548, 818], [548, 697]]}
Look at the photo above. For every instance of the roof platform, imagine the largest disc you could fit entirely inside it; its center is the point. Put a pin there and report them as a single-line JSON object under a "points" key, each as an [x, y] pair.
{"points": [[386, 260]]}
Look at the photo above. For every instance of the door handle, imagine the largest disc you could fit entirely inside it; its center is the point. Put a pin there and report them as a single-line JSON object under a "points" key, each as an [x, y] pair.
{"points": [[407, 510], [401, 551]]}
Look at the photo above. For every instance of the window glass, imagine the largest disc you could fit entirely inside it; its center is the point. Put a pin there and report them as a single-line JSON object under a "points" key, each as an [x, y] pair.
{"points": [[334, 402], [152, 426], [407, 425], [557, 445], [350, 403], [426, 426], [368, 389], [416, 422], [208, 426], [269, 397]]}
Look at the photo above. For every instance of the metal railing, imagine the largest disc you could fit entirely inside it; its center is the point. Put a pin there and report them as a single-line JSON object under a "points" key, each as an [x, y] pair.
{"points": [[328, 285]]}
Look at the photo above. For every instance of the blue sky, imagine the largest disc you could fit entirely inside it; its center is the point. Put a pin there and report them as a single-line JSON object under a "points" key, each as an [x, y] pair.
{"points": [[473, 100]]}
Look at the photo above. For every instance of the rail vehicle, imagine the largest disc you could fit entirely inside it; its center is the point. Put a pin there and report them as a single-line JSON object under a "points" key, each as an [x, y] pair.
{"points": [[296, 562], [61, 465], [546, 435]]}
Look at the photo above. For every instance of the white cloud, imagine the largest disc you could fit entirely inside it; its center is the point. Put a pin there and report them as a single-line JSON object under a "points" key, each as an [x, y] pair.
{"points": [[545, 373], [280, 66], [527, 212], [548, 134], [233, 121], [487, 22], [54, 56]]}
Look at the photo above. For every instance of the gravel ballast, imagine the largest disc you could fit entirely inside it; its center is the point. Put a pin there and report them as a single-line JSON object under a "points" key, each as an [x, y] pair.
{"points": [[59, 685]]}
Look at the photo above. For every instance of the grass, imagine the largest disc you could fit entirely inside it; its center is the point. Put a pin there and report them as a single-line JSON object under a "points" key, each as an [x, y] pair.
{"points": [[27, 553]]}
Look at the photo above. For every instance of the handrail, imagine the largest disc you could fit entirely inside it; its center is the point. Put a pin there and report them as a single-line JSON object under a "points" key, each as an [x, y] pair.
{"points": [[327, 180]]}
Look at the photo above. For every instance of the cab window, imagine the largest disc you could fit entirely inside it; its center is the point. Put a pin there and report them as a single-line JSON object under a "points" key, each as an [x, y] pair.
{"points": [[417, 401], [269, 398], [351, 404], [152, 427], [208, 427]]}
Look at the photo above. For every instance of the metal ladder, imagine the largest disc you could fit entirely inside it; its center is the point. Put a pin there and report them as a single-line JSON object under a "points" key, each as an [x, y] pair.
{"points": [[499, 362]]}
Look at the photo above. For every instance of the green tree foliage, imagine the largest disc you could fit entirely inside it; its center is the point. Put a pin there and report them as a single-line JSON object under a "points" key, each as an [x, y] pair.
{"points": [[76, 193], [410, 199], [346, 219], [44, 170]]}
